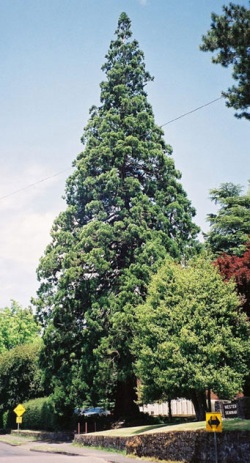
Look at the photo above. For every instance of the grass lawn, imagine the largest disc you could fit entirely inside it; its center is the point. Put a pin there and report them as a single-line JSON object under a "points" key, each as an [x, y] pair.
{"points": [[235, 424]]}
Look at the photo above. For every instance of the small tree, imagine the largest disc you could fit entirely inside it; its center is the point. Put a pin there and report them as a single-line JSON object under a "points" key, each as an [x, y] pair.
{"points": [[191, 336], [230, 35], [230, 226], [20, 374], [17, 326], [238, 269]]}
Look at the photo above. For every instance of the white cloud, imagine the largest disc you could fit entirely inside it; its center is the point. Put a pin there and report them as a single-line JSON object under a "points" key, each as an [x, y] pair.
{"points": [[24, 237], [22, 187], [26, 219]]}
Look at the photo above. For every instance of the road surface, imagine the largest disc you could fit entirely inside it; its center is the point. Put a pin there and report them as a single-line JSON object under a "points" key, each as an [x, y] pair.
{"points": [[19, 454], [38, 452]]}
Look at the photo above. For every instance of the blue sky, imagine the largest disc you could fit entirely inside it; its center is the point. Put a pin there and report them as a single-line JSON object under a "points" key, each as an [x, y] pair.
{"points": [[51, 55]]}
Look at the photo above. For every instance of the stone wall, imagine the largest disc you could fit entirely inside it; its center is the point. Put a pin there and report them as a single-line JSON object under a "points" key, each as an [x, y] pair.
{"points": [[118, 443], [193, 447], [179, 446]]}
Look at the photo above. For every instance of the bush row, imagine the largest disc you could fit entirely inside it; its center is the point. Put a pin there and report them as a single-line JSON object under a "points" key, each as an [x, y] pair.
{"points": [[39, 415]]}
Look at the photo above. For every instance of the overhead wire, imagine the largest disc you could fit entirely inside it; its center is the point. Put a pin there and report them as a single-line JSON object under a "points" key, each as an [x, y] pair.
{"points": [[192, 111], [33, 184], [59, 173]]}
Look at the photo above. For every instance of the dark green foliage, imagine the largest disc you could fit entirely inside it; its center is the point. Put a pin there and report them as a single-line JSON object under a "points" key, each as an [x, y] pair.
{"points": [[9, 420], [39, 415], [20, 375], [125, 211], [230, 36], [230, 227]]}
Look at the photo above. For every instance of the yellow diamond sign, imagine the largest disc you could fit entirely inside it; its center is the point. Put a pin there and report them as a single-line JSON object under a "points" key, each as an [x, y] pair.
{"points": [[19, 410], [214, 422]]}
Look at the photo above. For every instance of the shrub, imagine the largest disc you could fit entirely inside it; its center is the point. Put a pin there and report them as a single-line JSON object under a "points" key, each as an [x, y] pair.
{"points": [[40, 415]]}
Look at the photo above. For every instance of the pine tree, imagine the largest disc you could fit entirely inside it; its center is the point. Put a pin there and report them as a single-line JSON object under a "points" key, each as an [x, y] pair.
{"points": [[229, 36], [126, 209]]}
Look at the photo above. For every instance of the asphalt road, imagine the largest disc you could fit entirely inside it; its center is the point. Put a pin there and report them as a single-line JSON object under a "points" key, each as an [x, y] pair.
{"points": [[38, 452], [10, 454]]}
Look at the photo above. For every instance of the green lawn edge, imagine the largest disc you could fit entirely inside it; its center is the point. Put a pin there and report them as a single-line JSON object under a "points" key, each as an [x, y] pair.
{"points": [[235, 424]]}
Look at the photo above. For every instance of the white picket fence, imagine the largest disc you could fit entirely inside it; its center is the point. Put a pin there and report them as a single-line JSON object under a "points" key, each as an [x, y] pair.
{"points": [[178, 407]]}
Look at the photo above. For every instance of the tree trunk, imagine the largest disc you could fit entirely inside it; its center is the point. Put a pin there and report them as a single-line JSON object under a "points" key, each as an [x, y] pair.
{"points": [[209, 400], [170, 416], [246, 387], [199, 402], [125, 401]]}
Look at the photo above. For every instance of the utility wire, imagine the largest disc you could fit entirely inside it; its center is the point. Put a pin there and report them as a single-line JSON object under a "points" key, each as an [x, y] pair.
{"points": [[33, 184], [59, 173], [193, 110]]}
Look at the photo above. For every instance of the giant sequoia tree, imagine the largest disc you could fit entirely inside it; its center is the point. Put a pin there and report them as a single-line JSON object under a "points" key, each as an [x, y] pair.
{"points": [[125, 210]]}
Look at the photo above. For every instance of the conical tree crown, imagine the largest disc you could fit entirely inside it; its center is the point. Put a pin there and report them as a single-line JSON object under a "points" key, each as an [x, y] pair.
{"points": [[126, 211], [125, 68], [125, 154]]}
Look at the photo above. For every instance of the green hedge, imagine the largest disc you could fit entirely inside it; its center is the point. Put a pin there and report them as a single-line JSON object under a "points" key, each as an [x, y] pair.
{"points": [[39, 415], [9, 420]]}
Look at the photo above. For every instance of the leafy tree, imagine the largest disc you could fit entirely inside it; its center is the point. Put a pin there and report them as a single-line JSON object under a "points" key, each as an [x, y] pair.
{"points": [[17, 326], [125, 210], [191, 336], [238, 269], [20, 375], [230, 227], [230, 35]]}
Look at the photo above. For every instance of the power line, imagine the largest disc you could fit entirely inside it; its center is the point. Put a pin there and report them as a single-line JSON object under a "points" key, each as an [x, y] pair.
{"points": [[33, 184], [59, 173], [192, 111]]}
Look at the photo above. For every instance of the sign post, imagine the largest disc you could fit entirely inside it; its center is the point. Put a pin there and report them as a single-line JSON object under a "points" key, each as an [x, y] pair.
{"points": [[230, 410], [19, 411], [214, 424]]}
